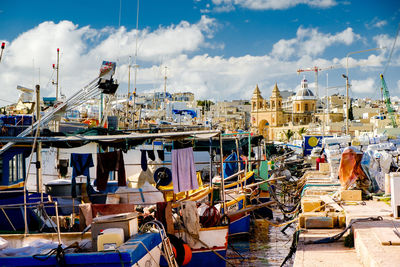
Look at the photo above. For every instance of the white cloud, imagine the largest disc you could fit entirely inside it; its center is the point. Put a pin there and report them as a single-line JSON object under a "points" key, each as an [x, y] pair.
{"points": [[375, 23], [309, 41], [176, 46], [364, 86], [83, 49], [229, 5]]}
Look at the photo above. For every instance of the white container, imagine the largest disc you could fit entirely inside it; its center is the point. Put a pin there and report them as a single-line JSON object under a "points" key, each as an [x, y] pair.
{"points": [[110, 239], [387, 183], [395, 192]]}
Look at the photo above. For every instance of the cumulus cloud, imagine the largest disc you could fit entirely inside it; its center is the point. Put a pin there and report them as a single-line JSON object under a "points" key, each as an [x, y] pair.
{"points": [[229, 5], [364, 86], [83, 49], [177, 46], [309, 41]]}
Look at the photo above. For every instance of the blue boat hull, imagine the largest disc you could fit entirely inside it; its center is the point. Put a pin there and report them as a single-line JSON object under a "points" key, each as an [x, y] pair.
{"points": [[240, 226], [128, 254], [203, 258]]}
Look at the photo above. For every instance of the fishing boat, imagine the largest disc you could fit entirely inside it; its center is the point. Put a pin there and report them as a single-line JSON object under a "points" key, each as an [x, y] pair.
{"points": [[73, 249]]}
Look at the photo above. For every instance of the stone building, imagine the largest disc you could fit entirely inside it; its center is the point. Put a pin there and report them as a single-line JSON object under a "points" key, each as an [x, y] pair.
{"points": [[269, 115]]}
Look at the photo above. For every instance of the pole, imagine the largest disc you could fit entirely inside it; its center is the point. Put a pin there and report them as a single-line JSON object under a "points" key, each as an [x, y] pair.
{"points": [[129, 91], [2, 49], [38, 149], [165, 92], [316, 84], [222, 173], [136, 66], [347, 82], [347, 105], [58, 64]]}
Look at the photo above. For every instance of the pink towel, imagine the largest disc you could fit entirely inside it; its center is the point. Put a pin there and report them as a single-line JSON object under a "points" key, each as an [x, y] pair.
{"points": [[183, 170]]}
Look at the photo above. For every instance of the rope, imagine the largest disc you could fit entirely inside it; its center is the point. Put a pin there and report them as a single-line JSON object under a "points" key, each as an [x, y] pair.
{"points": [[338, 236], [58, 251]]}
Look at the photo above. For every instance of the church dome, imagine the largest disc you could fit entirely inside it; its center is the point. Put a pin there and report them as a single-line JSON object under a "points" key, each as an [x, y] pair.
{"points": [[304, 93]]}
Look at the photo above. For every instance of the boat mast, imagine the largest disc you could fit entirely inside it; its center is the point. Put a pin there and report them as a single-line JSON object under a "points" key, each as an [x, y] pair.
{"points": [[39, 149], [58, 65], [129, 94], [165, 92], [136, 66]]}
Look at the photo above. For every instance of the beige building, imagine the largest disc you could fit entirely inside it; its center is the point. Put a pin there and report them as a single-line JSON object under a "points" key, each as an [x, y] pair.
{"points": [[270, 114], [233, 115]]}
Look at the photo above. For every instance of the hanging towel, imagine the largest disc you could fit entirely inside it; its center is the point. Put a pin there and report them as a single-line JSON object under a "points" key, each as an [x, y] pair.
{"points": [[143, 160], [183, 170], [80, 164], [160, 154], [151, 155], [110, 161]]}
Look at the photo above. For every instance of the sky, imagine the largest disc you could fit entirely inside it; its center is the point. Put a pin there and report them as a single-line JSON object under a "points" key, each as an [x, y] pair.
{"points": [[217, 49]]}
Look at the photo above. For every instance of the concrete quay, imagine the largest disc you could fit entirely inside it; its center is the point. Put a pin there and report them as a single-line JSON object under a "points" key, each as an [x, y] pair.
{"points": [[375, 242]]}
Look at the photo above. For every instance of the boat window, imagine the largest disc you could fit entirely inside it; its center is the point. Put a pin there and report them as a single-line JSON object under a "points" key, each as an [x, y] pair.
{"points": [[20, 166], [15, 168]]}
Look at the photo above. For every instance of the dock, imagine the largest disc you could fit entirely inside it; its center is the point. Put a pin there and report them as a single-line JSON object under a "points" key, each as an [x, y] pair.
{"points": [[326, 215]]}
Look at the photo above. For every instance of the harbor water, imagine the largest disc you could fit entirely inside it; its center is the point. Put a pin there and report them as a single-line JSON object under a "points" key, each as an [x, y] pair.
{"points": [[264, 247]]}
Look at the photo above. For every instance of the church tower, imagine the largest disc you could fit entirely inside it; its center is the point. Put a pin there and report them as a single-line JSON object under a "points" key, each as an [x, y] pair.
{"points": [[256, 100], [276, 107]]}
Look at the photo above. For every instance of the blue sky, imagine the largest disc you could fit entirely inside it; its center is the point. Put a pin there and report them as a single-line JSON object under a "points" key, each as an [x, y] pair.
{"points": [[218, 49]]}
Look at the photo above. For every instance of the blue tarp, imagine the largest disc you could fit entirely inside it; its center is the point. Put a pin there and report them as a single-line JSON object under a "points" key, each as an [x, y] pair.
{"points": [[184, 112], [230, 167]]}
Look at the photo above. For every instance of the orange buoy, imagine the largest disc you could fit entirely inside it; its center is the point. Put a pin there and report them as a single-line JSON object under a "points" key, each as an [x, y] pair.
{"points": [[188, 254]]}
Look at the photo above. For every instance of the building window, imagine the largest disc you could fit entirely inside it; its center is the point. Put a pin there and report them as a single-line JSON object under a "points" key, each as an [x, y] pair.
{"points": [[306, 107], [254, 105], [273, 104], [298, 107]]}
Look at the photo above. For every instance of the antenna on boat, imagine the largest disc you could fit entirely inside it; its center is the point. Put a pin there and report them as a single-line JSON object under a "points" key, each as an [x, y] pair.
{"points": [[3, 45]]}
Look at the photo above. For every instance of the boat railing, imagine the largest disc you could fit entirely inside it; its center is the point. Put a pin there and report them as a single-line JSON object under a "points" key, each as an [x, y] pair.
{"points": [[170, 257]]}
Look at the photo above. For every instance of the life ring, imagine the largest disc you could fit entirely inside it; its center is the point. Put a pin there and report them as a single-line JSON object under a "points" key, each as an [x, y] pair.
{"points": [[178, 248]]}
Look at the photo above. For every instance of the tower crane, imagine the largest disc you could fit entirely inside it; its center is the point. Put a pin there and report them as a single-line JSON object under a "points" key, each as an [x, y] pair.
{"points": [[316, 70], [388, 102]]}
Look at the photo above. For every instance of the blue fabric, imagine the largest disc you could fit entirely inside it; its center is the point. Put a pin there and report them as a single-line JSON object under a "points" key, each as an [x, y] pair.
{"points": [[230, 167], [80, 164]]}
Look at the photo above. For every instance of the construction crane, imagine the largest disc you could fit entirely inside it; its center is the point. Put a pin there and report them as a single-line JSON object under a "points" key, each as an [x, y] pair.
{"points": [[316, 70], [388, 103]]}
